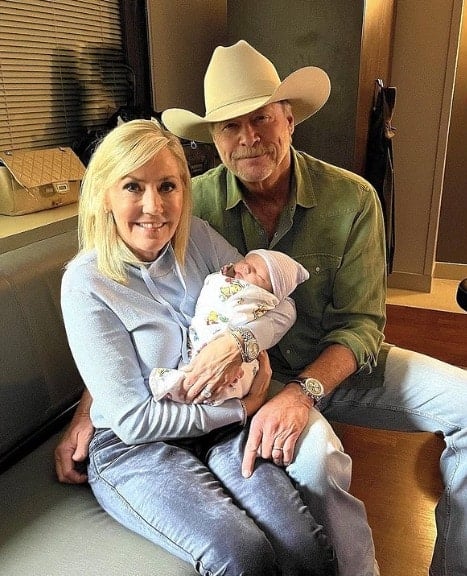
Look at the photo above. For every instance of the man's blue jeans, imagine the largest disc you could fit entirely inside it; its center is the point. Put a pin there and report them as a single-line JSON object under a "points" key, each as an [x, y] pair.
{"points": [[419, 394], [189, 497]]}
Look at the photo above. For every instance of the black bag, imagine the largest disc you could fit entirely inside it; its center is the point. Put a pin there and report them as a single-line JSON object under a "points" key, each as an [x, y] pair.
{"points": [[87, 143], [379, 167], [200, 156]]}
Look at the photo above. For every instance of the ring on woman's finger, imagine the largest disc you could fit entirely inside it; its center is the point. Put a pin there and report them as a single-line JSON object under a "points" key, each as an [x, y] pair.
{"points": [[206, 393], [277, 448]]}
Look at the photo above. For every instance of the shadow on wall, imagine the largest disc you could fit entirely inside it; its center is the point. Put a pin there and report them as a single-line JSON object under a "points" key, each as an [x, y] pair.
{"points": [[87, 88]]}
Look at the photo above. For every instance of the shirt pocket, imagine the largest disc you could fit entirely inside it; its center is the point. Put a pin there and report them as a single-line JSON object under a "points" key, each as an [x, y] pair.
{"points": [[317, 264], [322, 269]]}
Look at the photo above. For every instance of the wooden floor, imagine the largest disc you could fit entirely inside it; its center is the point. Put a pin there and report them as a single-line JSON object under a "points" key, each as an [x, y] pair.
{"points": [[438, 333]]}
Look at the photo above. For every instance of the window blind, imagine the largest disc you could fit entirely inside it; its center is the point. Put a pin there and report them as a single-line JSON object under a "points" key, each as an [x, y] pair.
{"points": [[62, 70]]}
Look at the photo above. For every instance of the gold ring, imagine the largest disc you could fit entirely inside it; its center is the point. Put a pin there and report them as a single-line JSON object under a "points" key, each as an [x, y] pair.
{"points": [[206, 393]]}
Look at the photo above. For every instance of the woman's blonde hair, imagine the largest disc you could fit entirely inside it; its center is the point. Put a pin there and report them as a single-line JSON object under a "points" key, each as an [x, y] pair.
{"points": [[123, 150]]}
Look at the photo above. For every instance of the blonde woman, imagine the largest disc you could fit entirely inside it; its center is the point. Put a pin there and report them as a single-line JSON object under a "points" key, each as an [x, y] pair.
{"points": [[169, 471]]}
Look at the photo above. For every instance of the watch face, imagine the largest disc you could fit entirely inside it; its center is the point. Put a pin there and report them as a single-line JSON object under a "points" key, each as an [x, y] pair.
{"points": [[252, 349], [314, 387]]}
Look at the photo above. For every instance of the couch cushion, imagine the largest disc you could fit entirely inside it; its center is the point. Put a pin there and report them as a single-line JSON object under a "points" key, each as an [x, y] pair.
{"points": [[53, 529], [38, 378]]}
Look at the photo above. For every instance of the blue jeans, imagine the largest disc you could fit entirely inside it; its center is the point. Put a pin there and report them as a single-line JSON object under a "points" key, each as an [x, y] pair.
{"points": [[418, 394], [189, 497]]}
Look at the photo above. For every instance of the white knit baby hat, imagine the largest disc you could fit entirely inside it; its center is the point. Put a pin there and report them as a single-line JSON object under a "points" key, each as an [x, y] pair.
{"points": [[285, 272]]}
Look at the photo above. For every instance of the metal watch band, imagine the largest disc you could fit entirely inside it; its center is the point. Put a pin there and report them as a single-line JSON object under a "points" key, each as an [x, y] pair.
{"points": [[246, 343]]}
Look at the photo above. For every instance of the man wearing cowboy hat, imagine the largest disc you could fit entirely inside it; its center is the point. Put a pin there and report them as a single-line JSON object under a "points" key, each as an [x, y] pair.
{"points": [[268, 195]]}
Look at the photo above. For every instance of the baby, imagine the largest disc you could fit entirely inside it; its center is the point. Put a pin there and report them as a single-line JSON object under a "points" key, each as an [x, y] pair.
{"points": [[232, 298]]}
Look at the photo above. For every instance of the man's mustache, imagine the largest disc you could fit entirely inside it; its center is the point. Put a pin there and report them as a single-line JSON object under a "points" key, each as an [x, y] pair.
{"points": [[251, 152]]}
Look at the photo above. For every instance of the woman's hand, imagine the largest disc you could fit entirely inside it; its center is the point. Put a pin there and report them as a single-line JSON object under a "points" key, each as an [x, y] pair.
{"points": [[215, 367]]}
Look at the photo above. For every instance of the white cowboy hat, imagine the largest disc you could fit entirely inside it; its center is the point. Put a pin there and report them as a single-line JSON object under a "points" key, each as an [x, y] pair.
{"points": [[239, 80]]}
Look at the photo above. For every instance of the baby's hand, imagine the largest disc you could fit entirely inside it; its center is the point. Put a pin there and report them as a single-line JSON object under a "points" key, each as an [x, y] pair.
{"points": [[228, 270]]}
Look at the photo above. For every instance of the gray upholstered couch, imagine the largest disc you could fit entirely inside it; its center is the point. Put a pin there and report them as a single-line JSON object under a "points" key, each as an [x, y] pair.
{"points": [[47, 528]]}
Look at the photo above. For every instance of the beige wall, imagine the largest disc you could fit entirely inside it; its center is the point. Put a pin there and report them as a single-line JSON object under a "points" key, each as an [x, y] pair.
{"points": [[425, 46], [296, 33], [182, 37]]}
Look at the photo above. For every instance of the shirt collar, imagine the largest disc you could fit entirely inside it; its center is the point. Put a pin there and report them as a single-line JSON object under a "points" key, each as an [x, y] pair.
{"points": [[302, 181], [234, 192]]}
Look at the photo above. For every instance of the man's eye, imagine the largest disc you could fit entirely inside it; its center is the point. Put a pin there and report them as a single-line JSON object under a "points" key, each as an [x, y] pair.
{"points": [[228, 127]]}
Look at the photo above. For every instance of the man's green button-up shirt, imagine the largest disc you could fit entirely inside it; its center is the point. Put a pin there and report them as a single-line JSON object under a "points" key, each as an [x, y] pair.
{"points": [[332, 225]]}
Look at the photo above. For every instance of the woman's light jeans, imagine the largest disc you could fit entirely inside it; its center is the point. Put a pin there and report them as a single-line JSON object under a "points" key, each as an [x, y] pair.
{"points": [[190, 498], [419, 394]]}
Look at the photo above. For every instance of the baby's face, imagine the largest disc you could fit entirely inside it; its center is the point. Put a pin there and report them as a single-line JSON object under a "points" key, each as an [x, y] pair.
{"points": [[252, 269]]}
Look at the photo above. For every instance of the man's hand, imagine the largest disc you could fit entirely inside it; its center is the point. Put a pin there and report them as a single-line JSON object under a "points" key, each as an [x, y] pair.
{"points": [[73, 449], [276, 427]]}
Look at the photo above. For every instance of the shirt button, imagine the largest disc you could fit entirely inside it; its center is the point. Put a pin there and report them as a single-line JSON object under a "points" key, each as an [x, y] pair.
{"points": [[317, 268], [288, 351]]}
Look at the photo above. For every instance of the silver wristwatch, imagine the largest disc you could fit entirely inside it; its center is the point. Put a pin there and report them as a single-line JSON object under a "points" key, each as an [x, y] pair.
{"points": [[246, 343], [311, 387]]}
